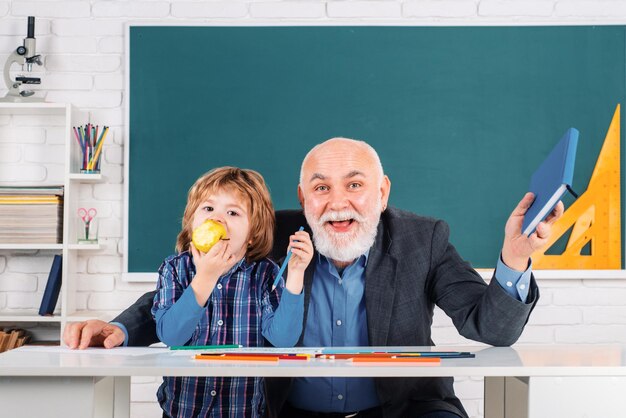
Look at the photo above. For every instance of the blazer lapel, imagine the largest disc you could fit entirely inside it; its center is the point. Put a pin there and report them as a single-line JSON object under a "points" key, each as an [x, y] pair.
{"points": [[380, 278]]}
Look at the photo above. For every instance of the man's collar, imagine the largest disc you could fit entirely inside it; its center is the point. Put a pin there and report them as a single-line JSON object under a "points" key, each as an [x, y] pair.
{"points": [[323, 259]]}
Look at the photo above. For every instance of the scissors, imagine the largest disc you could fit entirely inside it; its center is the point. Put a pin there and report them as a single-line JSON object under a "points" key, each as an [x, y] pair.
{"points": [[87, 216]]}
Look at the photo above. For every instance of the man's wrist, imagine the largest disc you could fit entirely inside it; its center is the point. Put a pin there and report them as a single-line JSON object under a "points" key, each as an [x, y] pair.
{"points": [[514, 263], [517, 265], [124, 330]]}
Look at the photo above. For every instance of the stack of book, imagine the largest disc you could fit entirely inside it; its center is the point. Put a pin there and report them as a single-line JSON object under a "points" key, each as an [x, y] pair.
{"points": [[32, 215], [12, 339]]}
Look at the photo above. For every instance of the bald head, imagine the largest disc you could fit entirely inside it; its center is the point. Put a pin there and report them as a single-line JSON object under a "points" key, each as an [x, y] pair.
{"points": [[343, 191], [341, 150]]}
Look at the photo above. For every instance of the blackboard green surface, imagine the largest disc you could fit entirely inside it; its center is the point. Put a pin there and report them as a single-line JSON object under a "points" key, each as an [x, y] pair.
{"points": [[461, 116]]}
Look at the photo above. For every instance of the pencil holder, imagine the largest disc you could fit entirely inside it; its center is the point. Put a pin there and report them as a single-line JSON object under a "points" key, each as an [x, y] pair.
{"points": [[90, 139]]}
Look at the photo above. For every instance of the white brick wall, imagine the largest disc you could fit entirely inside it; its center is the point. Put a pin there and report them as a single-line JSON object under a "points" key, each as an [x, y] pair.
{"points": [[364, 9], [82, 43], [439, 8]]}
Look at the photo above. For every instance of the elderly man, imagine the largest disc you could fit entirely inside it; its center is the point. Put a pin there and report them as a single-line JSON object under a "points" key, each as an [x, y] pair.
{"points": [[376, 276]]}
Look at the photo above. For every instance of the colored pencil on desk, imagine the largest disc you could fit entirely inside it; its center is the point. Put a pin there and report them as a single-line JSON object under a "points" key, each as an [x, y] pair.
{"points": [[296, 357], [205, 347], [355, 355], [398, 354], [441, 355], [281, 356], [242, 354], [430, 360], [338, 350], [226, 357], [284, 266], [373, 355]]}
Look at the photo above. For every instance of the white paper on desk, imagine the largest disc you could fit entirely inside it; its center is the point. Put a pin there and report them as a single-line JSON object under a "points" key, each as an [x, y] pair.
{"points": [[278, 350], [117, 351]]}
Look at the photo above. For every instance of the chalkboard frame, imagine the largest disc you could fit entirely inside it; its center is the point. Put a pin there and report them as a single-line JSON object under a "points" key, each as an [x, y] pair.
{"points": [[151, 276]]}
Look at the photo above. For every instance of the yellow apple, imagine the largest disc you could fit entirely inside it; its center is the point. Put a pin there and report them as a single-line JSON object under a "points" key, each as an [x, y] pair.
{"points": [[206, 235]]}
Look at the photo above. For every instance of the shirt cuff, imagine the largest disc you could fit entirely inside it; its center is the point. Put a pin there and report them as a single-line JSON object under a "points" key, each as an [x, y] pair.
{"points": [[289, 299], [515, 283], [123, 328]]}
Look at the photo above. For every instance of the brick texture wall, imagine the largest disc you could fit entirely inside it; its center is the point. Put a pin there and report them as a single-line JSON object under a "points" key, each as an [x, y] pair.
{"points": [[83, 48]]}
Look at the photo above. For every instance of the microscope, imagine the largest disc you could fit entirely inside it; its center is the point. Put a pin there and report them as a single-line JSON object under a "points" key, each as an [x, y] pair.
{"points": [[24, 55]]}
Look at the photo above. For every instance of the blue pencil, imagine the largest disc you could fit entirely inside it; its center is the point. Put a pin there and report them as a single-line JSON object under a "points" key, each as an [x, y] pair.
{"points": [[284, 266]]}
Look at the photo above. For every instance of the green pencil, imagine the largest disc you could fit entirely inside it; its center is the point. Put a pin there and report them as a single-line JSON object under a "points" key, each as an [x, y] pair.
{"points": [[205, 347]]}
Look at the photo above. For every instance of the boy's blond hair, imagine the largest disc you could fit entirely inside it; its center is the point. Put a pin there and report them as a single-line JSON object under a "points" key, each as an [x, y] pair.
{"points": [[251, 188]]}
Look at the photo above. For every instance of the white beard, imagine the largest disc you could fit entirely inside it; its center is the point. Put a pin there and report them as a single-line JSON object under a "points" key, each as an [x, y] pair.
{"points": [[348, 246]]}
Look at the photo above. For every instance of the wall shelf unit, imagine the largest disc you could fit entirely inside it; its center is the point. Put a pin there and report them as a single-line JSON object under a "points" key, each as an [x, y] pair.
{"points": [[65, 116]]}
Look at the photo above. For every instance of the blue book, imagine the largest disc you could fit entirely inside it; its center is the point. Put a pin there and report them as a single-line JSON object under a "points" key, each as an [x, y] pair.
{"points": [[53, 286], [551, 180]]}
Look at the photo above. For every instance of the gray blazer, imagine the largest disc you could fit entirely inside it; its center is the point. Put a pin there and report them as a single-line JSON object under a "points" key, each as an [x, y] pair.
{"points": [[411, 267]]}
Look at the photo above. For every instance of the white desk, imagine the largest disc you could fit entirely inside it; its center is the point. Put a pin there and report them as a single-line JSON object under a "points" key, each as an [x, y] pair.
{"points": [[560, 381]]}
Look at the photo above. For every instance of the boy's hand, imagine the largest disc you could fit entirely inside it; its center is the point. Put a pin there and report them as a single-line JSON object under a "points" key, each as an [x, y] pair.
{"points": [[301, 254], [209, 268], [216, 262]]}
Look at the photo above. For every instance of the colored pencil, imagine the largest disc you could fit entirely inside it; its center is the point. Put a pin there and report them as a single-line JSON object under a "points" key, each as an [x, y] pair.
{"points": [[281, 356], [80, 143], [284, 266], [396, 354], [205, 347], [97, 154], [396, 360], [296, 357], [226, 357]]}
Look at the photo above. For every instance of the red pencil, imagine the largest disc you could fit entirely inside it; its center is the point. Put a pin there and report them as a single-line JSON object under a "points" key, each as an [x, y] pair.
{"points": [[295, 357]]}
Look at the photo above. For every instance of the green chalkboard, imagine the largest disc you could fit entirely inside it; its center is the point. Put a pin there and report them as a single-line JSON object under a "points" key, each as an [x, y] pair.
{"points": [[461, 116]]}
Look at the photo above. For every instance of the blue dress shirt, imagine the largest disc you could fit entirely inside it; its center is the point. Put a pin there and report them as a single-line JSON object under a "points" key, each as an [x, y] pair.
{"points": [[338, 305]]}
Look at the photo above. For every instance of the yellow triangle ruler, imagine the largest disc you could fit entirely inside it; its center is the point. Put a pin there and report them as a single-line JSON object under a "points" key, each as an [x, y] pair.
{"points": [[594, 218]]}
